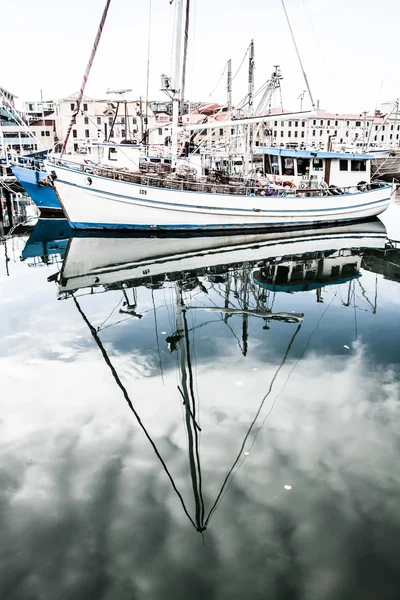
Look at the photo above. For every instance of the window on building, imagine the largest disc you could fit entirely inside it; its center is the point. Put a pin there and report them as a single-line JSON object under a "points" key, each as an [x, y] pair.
{"points": [[343, 164], [47, 133], [74, 133], [86, 121], [367, 123], [289, 134], [320, 132], [122, 120], [290, 124], [85, 107], [375, 138], [391, 136], [160, 131], [232, 131], [358, 123], [75, 147], [296, 133], [398, 127], [391, 127], [42, 133], [303, 123], [221, 132], [314, 122], [134, 120], [296, 123], [112, 154], [313, 132], [348, 123], [287, 165], [382, 138], [335, 132], [281, 133], [303, 166], [321, 122], [328, 132], [383, 128], [87, 133], [110, 121], [397, 136], [302, 134], [72, 106], [282, 123], [275, 123], [123, 133], [376, 127], [328, 123], [358, 165], [336, 123], [275, 133], [98, 120]]}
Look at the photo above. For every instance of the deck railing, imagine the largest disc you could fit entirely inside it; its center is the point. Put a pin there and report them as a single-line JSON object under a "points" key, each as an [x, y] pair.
{"points": [[237, 187]]}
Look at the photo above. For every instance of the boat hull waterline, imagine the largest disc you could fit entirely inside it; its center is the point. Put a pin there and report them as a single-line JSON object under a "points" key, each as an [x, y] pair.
{"points": [[95, 202]]}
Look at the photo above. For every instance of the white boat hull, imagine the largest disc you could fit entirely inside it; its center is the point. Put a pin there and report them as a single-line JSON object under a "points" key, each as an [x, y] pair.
{"points": [[94, 202]]}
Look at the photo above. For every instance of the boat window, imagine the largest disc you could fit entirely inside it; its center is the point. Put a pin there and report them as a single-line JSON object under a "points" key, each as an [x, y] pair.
{"points": [[358, 165], [318, 164], [155, 160], [112, 154], [303, 166], [268, 164], [343, 164], [288, 166]]}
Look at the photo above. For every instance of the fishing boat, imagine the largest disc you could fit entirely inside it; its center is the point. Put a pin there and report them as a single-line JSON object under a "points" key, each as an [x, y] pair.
{"points": [[176, 199]]}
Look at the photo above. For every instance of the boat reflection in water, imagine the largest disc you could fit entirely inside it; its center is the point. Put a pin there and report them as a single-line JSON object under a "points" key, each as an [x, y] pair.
{"points": [[237, 277], [48, 242]]}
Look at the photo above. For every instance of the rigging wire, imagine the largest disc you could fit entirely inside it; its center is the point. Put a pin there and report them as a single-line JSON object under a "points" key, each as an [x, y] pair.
{"points": [[315, 36], [148, 78], [219, 80]]}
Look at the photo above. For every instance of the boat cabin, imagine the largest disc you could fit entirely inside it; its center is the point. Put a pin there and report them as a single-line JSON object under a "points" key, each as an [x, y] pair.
{"points": [[307, 166]]}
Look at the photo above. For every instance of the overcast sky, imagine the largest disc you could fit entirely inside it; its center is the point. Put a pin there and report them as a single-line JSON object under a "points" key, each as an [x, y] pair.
{"points": [[349, 47]]}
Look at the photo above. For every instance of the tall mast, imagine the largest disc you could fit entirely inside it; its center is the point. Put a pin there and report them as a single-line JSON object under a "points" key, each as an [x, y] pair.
{"points": [[229, 102], [185, 49], [250, 94], [176, 84]]}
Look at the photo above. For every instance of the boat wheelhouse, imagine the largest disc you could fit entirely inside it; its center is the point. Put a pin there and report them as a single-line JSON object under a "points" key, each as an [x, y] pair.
{"points": [[314, 169]]}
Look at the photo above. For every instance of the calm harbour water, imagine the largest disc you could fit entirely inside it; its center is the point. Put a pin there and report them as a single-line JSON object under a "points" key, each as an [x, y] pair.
{"points": [[204, 426]]}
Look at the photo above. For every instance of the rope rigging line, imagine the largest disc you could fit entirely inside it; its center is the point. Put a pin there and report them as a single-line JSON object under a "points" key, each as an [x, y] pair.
{"points": [[86, 74]]}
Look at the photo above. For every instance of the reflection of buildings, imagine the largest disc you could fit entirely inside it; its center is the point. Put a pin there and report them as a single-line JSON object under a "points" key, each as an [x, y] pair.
{"points": [[384, 262]]}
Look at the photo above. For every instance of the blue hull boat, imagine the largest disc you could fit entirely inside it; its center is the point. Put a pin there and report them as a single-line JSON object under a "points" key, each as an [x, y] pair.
{"points": [[43, 195]]}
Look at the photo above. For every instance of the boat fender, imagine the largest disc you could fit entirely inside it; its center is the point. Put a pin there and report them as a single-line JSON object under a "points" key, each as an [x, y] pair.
{"points": [[88, 180], [302, 186]]}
